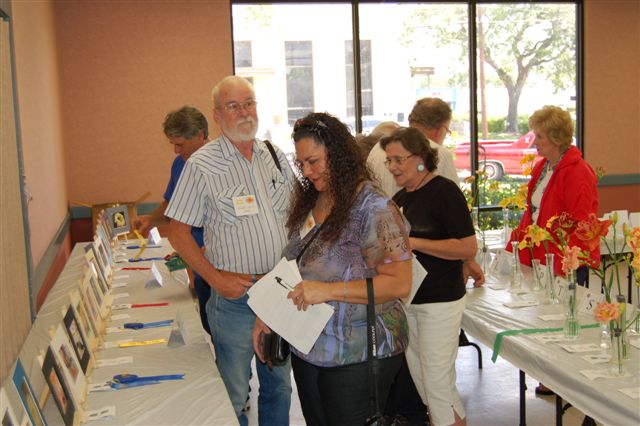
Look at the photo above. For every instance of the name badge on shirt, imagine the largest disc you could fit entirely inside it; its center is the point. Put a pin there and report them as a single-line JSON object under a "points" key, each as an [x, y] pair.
{"points": [[245, 205], [308, 225]]}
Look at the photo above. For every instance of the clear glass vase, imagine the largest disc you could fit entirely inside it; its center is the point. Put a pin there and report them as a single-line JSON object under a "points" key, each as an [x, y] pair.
{"points": [[516, 272], [622, 324], [538, 274], [550, 295], [605, 339], [616, 363], [506, 230], [571, 324]]}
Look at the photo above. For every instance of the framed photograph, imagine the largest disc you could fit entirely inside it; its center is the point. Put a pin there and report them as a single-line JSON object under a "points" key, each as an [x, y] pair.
{"points": [[118, 218], [104, 227], [27, 396], [93, 261], [93, 289], [69, 364], [87, 323], [8, 417], [78, 342], [90, 302], [104, 255], [59, 389]]}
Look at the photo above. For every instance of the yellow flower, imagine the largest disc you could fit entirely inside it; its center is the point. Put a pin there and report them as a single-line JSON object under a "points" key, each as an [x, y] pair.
{"points": [[550, 221]]}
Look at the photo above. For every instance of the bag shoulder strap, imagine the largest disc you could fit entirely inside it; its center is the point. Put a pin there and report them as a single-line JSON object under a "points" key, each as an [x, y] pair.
{"points": [[273, 154], [372, 358]]}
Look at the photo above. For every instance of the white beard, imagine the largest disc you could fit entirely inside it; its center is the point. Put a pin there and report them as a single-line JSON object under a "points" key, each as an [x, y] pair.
{"points": [[238, 135]]}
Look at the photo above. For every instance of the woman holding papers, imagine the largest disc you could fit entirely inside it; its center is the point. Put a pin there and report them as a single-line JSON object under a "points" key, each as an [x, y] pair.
{"points": [[443, 238], [342, 229]]}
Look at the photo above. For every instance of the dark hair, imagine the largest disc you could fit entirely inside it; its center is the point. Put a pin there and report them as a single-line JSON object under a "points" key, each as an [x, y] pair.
{"points": [[430, 112], [414, 141], [185, 122], [346, 167]]}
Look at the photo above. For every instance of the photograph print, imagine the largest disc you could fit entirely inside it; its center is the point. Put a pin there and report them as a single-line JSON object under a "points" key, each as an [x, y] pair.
{"points": [[59, 389], [118, 218], [27, 396], [67, 360], [78, 342]]}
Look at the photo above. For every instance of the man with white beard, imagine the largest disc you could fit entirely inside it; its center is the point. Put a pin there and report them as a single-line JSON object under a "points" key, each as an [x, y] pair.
{"points": [[236, 190]]}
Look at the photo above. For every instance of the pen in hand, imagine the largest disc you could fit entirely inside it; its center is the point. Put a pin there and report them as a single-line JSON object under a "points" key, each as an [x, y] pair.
{"points": [[283, 283]]}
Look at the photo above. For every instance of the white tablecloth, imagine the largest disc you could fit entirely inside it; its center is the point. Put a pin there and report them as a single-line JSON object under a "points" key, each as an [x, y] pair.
{"points": [[486, 316], [199, 399]]}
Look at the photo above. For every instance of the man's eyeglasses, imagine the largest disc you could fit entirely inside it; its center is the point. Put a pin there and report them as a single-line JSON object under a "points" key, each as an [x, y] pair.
{"points": [[235, 107], [396, 160]]}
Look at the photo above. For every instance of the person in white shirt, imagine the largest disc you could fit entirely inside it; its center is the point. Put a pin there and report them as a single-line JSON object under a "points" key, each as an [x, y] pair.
{"points": [[432, 116], [238, 189]]}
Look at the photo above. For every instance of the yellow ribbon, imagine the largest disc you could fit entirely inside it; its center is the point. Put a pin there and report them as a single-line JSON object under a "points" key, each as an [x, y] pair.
{"points": [[142, 343], [143, 244]]}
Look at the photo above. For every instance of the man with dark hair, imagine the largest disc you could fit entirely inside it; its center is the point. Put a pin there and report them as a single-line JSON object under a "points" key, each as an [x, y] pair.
{"points": [[187, 130]]}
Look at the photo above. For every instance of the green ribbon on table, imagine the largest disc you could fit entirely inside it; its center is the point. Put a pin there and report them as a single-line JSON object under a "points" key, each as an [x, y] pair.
{"points": [[498, 342]]}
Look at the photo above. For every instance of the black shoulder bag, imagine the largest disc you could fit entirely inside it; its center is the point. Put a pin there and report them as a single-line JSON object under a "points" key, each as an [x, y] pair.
{"points": [[275, 350]]}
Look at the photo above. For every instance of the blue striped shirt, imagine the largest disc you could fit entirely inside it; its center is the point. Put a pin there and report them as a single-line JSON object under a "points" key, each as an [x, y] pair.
{"points": [[211, 178]]}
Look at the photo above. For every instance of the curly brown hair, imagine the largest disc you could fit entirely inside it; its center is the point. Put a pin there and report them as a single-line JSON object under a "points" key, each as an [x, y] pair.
{"points": [[347, 172]]}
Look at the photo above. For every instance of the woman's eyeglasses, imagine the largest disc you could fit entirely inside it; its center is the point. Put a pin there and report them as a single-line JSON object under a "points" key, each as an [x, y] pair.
{"points": [[396, 160]]}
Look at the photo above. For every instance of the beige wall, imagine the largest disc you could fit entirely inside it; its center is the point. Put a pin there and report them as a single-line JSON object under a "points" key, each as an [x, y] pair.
{"points": [[612, 95], [123, 66], [95, 80], [40, 123], [612, 84]]}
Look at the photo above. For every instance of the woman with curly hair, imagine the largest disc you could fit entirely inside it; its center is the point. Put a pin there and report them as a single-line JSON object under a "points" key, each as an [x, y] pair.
{"points": [[343, 230]]}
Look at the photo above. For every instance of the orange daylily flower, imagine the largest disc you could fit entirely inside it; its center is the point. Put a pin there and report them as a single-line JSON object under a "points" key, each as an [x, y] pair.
{"points": [[606, 312], [591, 230]]}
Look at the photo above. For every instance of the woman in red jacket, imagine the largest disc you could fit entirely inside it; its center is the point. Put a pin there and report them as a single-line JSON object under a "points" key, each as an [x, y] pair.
{"points": [[561, 182]]}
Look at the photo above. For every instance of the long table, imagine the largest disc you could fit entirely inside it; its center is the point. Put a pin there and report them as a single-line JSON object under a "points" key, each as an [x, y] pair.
{"points": [[486, 316], [200, 399]]}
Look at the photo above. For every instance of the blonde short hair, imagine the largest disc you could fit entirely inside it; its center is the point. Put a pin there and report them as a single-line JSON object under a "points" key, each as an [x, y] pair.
{"points": [[555, 123]]}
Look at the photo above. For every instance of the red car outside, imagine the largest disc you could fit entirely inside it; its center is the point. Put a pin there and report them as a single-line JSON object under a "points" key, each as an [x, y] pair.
{"points": [[498, 157]]}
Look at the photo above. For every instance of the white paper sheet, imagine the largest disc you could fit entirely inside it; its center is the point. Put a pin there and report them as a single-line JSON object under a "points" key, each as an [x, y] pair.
{"points": [[418, 273], [268, 299]]}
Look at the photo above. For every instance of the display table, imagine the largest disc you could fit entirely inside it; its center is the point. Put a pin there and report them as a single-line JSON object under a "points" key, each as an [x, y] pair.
{"points": [[199, 399], [486, 316]]}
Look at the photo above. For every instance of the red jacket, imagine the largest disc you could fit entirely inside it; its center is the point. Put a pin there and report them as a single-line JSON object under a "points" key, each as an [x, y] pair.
{"points": [[571, 189]]}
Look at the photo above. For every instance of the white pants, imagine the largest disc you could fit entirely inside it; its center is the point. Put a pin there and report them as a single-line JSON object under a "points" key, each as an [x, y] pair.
{"points": [[434, 330]]}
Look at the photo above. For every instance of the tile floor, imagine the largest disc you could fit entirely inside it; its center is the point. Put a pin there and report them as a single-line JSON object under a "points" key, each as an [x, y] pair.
{"points": [[490, 395]]}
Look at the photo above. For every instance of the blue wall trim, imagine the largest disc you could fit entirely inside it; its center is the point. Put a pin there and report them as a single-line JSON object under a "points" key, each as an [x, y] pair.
{"points": [[618, 180], [79, 212]]}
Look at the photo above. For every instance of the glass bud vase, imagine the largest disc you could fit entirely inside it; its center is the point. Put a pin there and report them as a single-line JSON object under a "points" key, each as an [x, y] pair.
{"points": [[550, 298], [516, 274], [605, 339], [571, 324], [617, 357], [506, 231], [622, 322], [538, 273]]}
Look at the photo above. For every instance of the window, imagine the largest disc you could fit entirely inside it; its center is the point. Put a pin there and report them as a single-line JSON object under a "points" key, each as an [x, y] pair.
{"points": [[299, 62], [525, 57], [242, 54], [366, 79]]}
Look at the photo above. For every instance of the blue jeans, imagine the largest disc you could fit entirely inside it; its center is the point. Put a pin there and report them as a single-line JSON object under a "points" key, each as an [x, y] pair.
{"points": [[231, 322], [203, 291]]}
